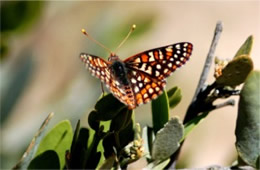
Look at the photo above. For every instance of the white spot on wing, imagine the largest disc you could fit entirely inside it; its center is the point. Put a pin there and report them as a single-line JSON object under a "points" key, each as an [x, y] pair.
{"points": [[146, 80], [166, 70], [149, 70], [157, 73], [138, 60], [136, 89], [143, 67], [169, 49], [160, 55], [133, 80]]}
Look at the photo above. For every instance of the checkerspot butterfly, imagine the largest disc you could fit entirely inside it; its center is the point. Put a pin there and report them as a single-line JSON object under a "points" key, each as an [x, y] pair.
{"points": [[139, 78]]}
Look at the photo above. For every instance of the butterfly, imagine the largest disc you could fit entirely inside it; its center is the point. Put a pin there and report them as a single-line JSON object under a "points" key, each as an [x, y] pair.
{"points": [[139, 78]]}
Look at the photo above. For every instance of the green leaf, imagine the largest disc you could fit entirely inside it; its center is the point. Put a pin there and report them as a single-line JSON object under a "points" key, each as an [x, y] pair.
{"points": [[246, 47], [108, 107], [167, 140], [174, 96], [46, 160], [248, 120], [75, 137], [236, 71], [79, 149], [189, 126], [94, 120], [58, 139], [160, 111], [121, 120], [30, 151]]}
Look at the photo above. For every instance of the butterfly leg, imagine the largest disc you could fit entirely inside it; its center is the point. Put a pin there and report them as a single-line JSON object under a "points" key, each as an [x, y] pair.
{"points": [[103, 91]]}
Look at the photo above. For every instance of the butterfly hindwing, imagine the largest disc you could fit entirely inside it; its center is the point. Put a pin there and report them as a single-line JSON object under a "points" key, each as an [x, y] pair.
{"points": [[145, 88], [159, 63]]}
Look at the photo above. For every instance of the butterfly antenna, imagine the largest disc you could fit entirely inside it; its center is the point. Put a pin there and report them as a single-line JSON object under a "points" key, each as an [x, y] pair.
{"points": [[129, 33], [98, 43]]}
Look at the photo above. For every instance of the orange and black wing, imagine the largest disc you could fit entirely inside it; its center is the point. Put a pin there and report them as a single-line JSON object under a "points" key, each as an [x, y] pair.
{"points": [[159, 63]]}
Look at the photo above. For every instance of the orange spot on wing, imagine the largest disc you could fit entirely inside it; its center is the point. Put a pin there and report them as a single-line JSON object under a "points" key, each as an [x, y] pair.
{"points": [[174, 67], [139, 101], [143, 91], [153, 63], [148, 86], [154, 96], [154, 85], [138, 96], [168, 55], [146, 100], [156, 55], [144, 58], [142, 76]]}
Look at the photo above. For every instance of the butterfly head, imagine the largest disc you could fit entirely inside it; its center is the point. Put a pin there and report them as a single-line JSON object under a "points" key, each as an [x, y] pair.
{"points": [[113, 57]]}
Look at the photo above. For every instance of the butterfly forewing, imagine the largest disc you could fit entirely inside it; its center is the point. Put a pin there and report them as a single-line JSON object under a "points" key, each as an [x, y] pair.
{"points": [[159, 63], [97, 66], [100, 69]]}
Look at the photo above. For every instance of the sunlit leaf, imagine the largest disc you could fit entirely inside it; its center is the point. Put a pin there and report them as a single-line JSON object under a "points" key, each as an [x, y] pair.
{"points": [[246, 48], [248, 121], [167, 140], [160, 111], [236, 71], [174, 95], [58, 139]]}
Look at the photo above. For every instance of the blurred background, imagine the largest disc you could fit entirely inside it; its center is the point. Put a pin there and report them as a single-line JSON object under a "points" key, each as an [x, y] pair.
{"points": [[41, 71]]}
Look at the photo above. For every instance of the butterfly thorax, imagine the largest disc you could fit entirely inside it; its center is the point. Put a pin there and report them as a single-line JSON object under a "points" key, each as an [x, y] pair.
{"points": [[119, 72]]}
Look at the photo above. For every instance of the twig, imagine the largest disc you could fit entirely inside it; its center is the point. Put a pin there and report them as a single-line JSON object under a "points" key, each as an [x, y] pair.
{"points": [[209, 59], [189, 114], [230, 102]]}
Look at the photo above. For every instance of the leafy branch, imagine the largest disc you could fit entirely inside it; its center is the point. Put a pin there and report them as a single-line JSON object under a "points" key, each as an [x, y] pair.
{"points": [[114, 140]]}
